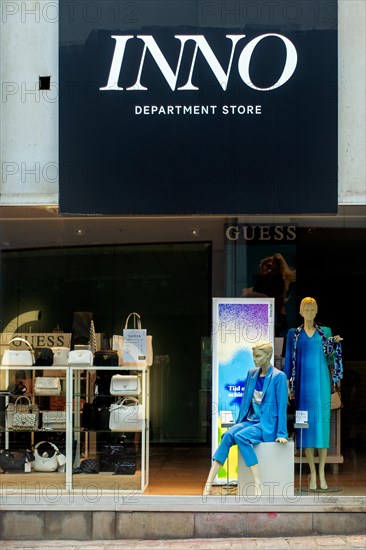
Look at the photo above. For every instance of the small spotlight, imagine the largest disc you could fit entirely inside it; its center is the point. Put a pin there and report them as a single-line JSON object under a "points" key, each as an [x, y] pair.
{"points": [[195, 232], [80, 232]]}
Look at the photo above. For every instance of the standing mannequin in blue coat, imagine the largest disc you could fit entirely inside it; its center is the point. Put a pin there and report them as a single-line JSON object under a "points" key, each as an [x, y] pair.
{"points": [[310, 351], [262, 415]]}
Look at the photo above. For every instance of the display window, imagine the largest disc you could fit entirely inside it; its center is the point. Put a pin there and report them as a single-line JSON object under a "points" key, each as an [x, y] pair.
{"points": [[76, 418]]}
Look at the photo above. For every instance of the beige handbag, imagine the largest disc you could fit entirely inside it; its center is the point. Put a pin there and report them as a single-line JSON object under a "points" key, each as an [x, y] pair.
{"points": [[47, 385], [335, 399]]}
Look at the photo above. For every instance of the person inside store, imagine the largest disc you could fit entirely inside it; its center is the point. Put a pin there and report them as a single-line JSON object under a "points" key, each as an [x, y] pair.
{"points": [[313, 356], [262, 416], [273, 281]]}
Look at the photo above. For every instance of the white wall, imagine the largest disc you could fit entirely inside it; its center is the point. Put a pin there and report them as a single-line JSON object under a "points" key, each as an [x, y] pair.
{"points": [[29, 130], [352, 98]]}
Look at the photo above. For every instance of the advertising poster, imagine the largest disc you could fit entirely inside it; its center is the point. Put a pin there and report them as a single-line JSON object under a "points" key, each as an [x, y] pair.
{"points": [[238, 323]]}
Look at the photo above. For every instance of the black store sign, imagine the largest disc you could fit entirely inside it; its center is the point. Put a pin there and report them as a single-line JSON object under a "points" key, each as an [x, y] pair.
{"points": [[198, 107]]}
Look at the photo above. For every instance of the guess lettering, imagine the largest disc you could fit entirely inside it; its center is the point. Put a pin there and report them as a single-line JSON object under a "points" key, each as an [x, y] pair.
{"points": [[201, 44]]}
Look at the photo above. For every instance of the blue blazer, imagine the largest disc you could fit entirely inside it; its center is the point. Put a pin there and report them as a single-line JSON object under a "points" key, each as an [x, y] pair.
{"points": [[273, 408]]}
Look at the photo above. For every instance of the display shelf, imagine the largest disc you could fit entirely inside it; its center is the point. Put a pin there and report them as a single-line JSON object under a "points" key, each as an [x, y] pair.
{"points": [[80, 443]]}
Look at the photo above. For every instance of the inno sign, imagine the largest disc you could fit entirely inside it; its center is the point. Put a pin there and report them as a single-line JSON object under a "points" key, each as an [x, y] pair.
{"points": [[203, 46]]}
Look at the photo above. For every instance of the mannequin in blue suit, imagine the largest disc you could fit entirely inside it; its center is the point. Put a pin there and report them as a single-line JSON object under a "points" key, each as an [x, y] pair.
{"points": [[262, 415]]}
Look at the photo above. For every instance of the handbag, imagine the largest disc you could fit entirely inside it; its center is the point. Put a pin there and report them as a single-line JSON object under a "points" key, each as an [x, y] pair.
{"points": [[119, 458], [95, 416], [54, 420], [126, 415], [43, 357], [60, 356], [135, 346], [25, 416], [46, 385], [80, 357], [335, 399], [15, 461], [125, 384], [106, 358], [48, 461], [21, 357]]}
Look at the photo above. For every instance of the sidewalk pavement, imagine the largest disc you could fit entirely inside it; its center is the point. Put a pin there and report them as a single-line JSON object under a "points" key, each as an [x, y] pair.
{"points": [[354, 542]]}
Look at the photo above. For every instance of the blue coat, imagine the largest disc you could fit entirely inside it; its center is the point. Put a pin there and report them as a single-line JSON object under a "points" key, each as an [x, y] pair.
{"points": [[273, 408]]}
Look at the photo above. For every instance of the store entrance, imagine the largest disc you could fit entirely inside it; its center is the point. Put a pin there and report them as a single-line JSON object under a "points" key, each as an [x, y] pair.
{"points": [[169, 285]]}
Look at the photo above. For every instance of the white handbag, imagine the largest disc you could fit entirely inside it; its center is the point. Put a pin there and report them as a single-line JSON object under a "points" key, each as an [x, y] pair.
{"points": [[54, 420], [125, 384], [80, 357], [126, 415], [21, 357], [46, 463], [60, 356], [135, 346], [47, 385]]}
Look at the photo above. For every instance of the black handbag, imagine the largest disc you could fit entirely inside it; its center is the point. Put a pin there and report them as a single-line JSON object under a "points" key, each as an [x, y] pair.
{"points": [[15, 461], [96, 415], [43, 357], [105, 358], [118, 458]]}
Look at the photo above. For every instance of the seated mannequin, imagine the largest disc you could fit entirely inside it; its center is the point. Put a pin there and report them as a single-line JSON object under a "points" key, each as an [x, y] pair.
{"points": [[262, 416]]}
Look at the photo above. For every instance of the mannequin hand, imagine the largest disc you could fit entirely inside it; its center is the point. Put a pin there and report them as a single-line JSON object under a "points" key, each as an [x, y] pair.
{"points": [[281, 440], [337, 338]]}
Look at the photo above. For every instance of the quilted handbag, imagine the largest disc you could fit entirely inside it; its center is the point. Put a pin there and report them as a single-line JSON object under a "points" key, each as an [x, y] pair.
{"points": [[126, 415], [26, 416], [80, 357], [54, 420], [21, 357], [46, 459], [125, 384], [60, 356], [335, 399], [135, 346], [47, 385]]}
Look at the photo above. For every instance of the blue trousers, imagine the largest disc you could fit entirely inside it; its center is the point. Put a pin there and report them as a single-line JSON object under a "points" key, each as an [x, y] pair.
{"points": [[245, 435]]}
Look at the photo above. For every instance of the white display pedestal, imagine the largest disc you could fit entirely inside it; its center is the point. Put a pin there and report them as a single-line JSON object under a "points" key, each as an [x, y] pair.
{"points": [[276, 470]]}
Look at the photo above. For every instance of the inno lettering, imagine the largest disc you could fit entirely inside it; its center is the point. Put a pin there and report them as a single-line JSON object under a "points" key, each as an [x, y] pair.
{"points": [[201, 44]]}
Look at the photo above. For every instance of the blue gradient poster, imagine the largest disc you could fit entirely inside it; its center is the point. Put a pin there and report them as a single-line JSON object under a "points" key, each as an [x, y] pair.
{"points": [[238, 323]]}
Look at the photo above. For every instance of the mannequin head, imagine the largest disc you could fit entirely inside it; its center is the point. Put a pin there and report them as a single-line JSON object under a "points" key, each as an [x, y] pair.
{"points": [[262, 353], [308, 308]]}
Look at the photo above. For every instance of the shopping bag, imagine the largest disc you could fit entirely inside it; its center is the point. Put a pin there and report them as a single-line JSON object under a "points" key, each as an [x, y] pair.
{"points": [[135, 346]]}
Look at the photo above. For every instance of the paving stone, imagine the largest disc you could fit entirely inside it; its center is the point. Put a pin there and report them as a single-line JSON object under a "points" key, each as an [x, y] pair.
{"points": [[274, 524], [68, 526], [22, 525], [103, 526], [154, 525], [219, 524], [341, 523]]}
